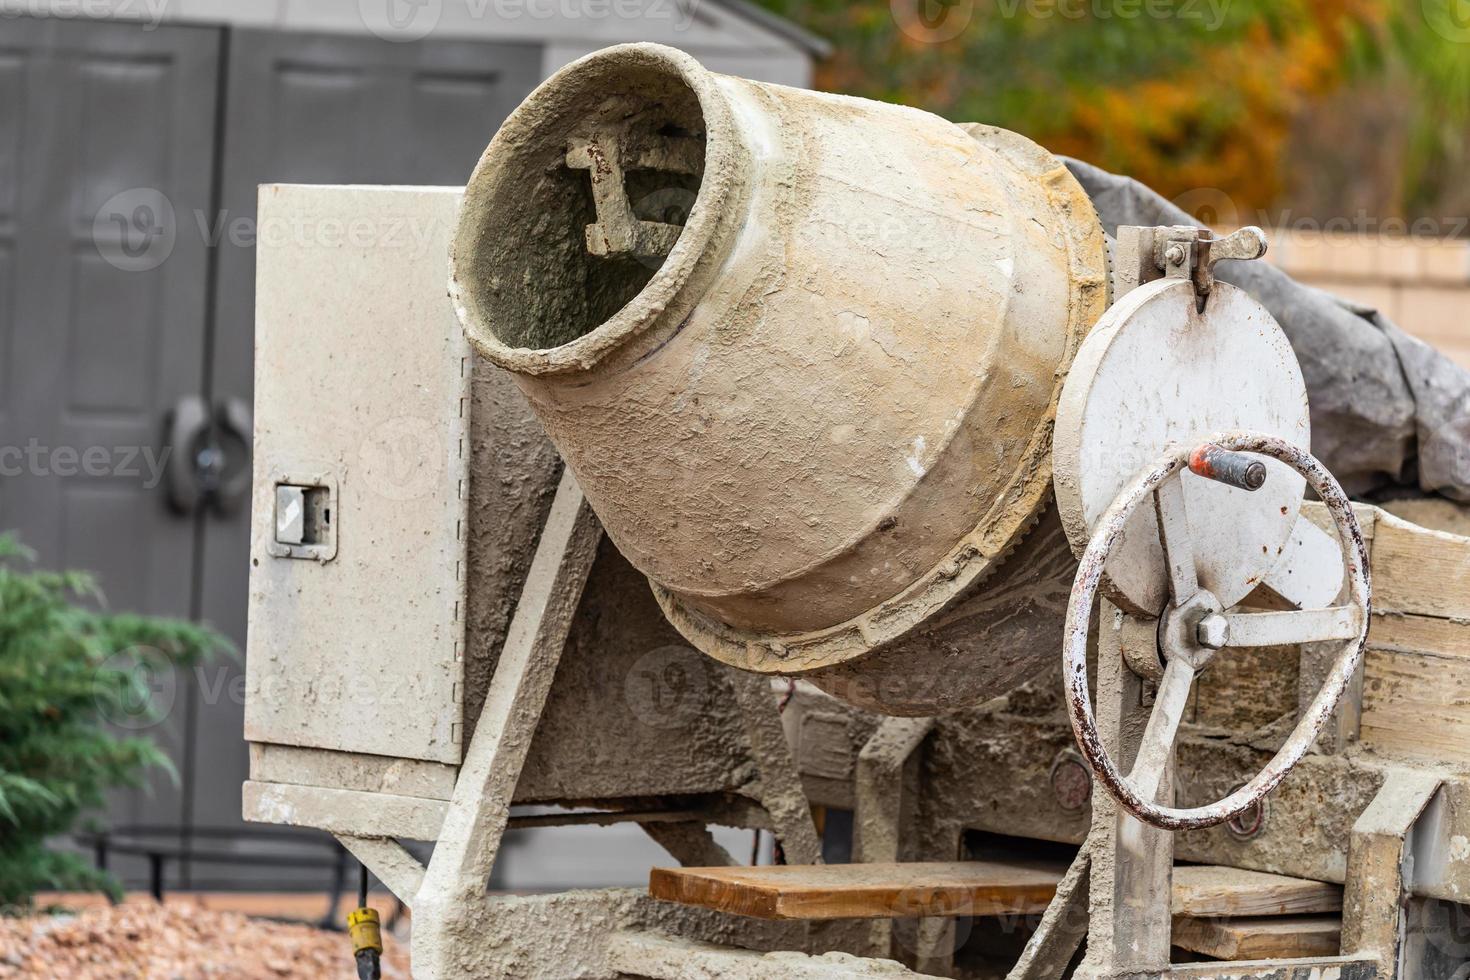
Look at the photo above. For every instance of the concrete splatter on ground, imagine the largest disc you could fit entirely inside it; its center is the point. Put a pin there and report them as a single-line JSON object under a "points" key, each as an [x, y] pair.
{"points": [[145, 941]]}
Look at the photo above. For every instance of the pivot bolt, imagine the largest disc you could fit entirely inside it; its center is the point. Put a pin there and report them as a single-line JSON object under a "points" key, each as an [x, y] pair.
{"points": [[1071, 782], [1213, 631]]}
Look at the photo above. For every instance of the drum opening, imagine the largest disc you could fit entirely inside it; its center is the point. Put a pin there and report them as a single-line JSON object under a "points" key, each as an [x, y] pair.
{"points": [[582, 199]]}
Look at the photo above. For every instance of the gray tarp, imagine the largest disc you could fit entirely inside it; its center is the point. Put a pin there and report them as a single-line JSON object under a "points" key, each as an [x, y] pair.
{"points": [[1389, 413]]}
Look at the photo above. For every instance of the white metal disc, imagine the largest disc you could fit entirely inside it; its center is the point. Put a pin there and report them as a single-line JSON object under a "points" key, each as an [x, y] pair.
{"points": [[1154, 373]]}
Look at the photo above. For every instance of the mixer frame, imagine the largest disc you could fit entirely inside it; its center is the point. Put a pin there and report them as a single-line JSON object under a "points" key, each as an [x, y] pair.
{"points": [[920, 788]]}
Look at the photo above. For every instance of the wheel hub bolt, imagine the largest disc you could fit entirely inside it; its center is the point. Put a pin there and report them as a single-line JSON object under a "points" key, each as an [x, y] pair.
{"points": [[1213, 631]]}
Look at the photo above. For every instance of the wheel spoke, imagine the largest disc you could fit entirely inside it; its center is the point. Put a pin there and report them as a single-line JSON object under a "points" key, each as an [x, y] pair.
{"points": [[1163, 724], [1173, 519], [1270, 629]]}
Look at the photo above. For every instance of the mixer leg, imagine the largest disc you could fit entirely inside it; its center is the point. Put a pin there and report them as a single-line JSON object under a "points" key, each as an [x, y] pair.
{"points": [[450, 908], [879, 791], [1131, 862], [1374, 894], [389, 861], [936, 945], [691, 844], [1063, 927], [779, 790]]}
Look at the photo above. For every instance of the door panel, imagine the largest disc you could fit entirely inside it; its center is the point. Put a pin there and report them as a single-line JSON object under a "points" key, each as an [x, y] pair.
{"points": [[106, 136], [319, 109]]}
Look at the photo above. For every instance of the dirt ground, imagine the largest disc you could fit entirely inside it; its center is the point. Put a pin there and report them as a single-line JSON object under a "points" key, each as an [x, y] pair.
{"points": [[141, 940]]}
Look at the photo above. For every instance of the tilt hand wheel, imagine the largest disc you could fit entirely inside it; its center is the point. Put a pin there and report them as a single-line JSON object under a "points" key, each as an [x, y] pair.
{"points": [[1194, 627]]}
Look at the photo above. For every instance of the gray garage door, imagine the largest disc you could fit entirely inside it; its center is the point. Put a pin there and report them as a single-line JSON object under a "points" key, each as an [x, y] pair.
{"points": [[129, 161], [103, 130]]}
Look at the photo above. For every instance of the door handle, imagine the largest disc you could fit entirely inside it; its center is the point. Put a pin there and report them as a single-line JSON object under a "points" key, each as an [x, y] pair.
{"points": [[233, 425], [209, 456], [186, 428]]}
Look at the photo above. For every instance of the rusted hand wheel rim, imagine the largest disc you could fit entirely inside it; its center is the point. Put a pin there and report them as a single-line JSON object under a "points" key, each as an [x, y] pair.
{"points": [[1084, 593]]}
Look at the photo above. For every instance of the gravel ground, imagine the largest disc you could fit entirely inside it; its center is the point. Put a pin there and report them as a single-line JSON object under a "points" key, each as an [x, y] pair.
{"points": [[141, 940]]}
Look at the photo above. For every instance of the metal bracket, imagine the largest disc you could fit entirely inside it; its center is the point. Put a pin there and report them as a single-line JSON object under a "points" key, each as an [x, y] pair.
{"points": [[1144, 254], [392, 863]]}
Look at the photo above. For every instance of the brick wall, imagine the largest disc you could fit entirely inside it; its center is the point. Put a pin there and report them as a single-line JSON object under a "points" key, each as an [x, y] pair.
{"points": [[1423, 285]]}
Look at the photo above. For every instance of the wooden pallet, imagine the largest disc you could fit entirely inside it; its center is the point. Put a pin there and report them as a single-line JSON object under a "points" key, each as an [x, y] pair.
{"points": [[964, 888]]}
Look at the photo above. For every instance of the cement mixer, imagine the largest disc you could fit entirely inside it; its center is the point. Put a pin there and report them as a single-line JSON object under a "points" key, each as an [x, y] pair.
{"points": [[815, 404], [870, 408]]}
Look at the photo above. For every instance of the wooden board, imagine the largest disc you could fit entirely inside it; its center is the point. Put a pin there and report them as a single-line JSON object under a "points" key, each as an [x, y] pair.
{"points": [[1264, 938], [863, 891], [1419, 571], [1420, 634], [1210, 890], [1416, 673], [962, 888], [1417, 705]]}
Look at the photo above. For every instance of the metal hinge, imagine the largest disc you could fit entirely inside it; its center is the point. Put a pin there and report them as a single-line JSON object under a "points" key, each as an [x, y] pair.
{"points": [[1144, 254]]}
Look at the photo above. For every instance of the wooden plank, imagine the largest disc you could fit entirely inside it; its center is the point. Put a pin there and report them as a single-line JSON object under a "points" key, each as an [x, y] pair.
{"points": [[1260, 938], [1417, 705], [863, 891], [1211, 890], [1420, 634], [973, 888], [1419, 571]]}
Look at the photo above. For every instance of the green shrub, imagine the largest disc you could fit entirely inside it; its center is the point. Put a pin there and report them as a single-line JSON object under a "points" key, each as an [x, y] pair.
{"points": [[67, 670]]}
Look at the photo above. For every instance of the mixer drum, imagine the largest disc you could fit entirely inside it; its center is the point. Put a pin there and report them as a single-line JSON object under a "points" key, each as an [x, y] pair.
{"points": [[802, 352]]}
